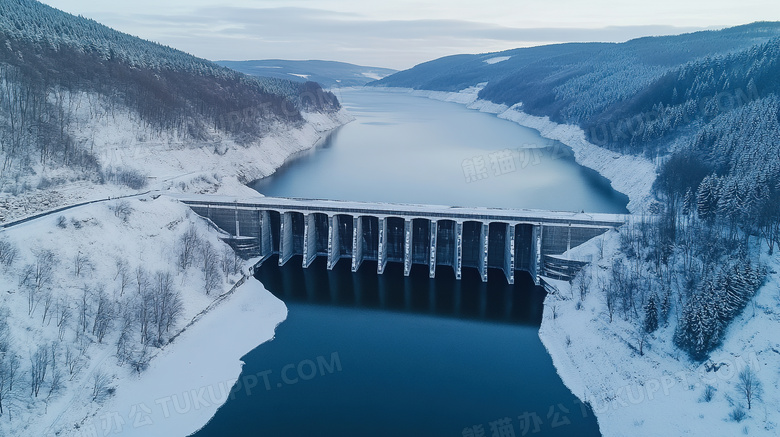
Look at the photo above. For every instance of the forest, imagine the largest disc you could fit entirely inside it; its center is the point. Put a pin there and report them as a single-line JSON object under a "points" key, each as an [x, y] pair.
{"points": [[705, 107], [53, 65]]}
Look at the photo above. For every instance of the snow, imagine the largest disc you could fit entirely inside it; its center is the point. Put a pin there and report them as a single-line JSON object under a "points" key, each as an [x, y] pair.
{"points": [[147, 239], [372, 75], [465, 96], [168, 161], [189, 381], [660, 392], [496, 60], [248, 315]]}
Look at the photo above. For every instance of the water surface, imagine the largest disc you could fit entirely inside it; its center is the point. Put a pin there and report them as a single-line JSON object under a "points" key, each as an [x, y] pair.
{"points": [[408, 149], [368, 355], [408, 356]]}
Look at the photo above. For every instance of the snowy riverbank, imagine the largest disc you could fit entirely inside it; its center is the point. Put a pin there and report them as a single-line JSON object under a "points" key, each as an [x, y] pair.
{"points": [[660, 392], [186, 384], [103, 252], [219, 166], [630, 175]]}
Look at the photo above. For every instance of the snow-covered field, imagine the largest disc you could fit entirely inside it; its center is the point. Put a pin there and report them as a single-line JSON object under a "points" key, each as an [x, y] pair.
{"points": [[659, 393], [186, 384]]}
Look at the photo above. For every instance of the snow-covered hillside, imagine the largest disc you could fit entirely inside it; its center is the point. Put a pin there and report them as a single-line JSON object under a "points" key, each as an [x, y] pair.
{"points": [[660, 391], [123, 144], [76, 295]]}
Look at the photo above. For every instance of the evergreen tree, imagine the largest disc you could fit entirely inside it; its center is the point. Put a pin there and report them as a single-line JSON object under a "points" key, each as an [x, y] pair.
{"points": [[688, 202], [666, 306], [651, 314], [707, 197]]}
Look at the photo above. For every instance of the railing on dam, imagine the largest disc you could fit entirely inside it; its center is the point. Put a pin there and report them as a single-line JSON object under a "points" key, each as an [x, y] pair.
{"points": [[480, 238]]}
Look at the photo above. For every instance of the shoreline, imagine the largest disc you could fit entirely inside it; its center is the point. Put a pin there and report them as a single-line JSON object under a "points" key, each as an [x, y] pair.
{"points": [[197, 168], [248, 316], [200, 362], [186, 384], [661, 391], [630, 175]]}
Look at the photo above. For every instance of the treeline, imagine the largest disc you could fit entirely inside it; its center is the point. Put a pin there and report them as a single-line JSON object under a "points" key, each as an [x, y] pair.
{"points": [[679, 274], [693, 261], [580, 82], [706, 105], [53, 65], [683, 99]]}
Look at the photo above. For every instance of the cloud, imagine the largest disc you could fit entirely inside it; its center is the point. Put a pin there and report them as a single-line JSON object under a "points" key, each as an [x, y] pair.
{"points": [[307, 33]]}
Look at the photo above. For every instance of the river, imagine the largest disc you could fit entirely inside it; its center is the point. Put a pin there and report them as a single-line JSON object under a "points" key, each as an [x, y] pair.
{"points": [[368, 355]]}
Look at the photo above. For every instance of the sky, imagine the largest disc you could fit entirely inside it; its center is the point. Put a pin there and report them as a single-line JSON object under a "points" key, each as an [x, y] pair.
{"points": [[402, 33]]}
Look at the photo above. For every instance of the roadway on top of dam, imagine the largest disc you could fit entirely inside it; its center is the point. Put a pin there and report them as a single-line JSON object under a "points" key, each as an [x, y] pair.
{"points": [[457, 213]]}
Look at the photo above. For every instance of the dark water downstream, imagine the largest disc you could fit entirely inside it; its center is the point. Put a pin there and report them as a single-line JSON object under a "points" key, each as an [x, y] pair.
{"points": [[368, 355]]}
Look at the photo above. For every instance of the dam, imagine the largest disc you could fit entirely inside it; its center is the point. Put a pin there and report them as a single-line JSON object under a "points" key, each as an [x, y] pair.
{"points": [[430, 235]]}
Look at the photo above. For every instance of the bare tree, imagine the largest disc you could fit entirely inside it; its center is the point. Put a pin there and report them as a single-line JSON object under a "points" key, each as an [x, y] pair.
{"points": [[39, 364], [31, 292], [122, 210], [583, 282], [104, 316], [641, 337], [167, 305], [142, 303], [45, 261], [83, 311], [48, 298], [609, 295], [100, 385], [210, 260], [5, 331], [123, 273], [80, 263], [227, 261], [126, 322], [8, 252], [71, 361], [749, 386], [230, 262], [140, 358], [9, 364], [35, 277], [63, 314], [26, 276], [55, 384], [188, 246]]}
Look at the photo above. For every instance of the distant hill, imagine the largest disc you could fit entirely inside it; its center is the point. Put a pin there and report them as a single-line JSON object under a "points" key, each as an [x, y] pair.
{"points": [[706, 107], [708, 102], [666, 85], [329, 74]]}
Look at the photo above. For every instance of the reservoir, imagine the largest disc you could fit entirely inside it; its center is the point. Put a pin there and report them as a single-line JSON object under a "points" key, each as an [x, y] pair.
{"points": [[406, 149], [386, 355]]}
